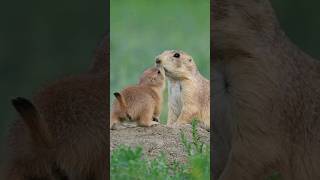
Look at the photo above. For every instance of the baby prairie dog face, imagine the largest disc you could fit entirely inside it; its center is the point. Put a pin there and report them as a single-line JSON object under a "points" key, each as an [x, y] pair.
{"points": [[154, 77], [177, 64]]}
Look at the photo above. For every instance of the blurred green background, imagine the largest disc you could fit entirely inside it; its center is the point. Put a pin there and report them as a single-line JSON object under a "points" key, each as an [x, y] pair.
{"points": [[142, 29], [41, 41]]}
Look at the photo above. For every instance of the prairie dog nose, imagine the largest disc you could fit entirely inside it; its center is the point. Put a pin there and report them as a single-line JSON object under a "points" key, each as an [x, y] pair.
{"points": [[158, 61]]}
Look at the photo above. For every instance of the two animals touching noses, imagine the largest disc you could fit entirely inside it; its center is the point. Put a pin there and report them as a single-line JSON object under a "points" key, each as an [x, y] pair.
{"points": [[188, 94]]}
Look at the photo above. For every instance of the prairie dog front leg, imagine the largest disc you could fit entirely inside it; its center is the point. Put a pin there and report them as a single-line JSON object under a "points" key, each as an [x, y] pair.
{"points": [[189, 108], [175, 103], [186, 115], [172, 117], [156, 113]]}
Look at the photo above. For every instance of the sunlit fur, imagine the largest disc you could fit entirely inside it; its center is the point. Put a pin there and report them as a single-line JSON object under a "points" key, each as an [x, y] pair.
{"points": [[189, 91], [143, 102]]}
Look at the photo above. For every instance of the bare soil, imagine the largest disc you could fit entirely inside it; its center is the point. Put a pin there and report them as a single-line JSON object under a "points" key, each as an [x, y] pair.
{"points": [[157, 139]]}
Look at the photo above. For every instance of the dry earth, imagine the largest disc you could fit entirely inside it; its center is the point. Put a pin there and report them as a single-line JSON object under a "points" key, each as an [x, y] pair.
{"points": [[155, 139]]}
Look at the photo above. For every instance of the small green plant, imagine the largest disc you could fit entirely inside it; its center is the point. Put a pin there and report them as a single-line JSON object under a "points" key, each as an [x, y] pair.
{"points": [[198, 154], [196, 146], [128, 163]]}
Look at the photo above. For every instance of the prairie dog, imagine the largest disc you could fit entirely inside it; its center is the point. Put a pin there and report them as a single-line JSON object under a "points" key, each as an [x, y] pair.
{"points": [[62, 132], [142, 102], [189, 91], [266, 97]]}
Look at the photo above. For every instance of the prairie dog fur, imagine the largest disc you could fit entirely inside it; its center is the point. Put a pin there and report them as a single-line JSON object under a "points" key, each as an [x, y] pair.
{"points": [[266, 97], [62, 131], [141, 103], [189, 91]]}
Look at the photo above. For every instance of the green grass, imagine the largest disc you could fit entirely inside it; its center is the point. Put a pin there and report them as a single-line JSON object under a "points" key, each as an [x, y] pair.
{"points": [[129, 164], [142, 29]]}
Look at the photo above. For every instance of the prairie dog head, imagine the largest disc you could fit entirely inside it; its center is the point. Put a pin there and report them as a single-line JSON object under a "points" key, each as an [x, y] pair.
{"points": [[154, 76], [177, 64]]}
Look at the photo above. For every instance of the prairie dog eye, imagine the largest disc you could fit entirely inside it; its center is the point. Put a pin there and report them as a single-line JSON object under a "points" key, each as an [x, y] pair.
{"points": [[159, 72], [176, 55], [190, 60]]}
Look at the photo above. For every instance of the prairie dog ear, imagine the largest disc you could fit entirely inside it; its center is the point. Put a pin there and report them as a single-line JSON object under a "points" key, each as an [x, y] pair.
{"points": [[22, 105], [37, 127]]}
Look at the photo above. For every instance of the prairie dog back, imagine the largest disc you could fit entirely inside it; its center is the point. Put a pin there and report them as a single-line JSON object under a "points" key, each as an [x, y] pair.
{"points": [[143, 101]]}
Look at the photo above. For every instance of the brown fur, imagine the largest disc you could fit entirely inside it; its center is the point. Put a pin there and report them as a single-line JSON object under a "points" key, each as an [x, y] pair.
{"points": [[62, 134], [266, 97], [101, 56], [142, 103], [189, 91]]}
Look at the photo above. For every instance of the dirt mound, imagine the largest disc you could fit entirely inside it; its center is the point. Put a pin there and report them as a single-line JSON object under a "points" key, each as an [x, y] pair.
{"points": [[157, 139]]}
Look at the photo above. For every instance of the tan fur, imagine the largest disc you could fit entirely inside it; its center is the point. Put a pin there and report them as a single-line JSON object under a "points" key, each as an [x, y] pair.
{"points": [[142, 102], [189, 91], [62, 133], [266, 97]]}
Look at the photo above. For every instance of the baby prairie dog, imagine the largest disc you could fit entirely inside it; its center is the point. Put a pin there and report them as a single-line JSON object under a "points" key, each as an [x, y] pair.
{"points": [[141, 102], [189, 91]]}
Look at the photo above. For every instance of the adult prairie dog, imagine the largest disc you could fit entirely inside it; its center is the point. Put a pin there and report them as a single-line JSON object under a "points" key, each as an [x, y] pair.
{"points": [[141, 102], [189, 91]]}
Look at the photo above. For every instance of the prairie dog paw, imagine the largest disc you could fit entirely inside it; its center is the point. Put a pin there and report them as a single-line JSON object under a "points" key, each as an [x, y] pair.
{"points": [[156, 119], [174, 125], [177, 125], [187, 125], [117, 126], [154, 123]]}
